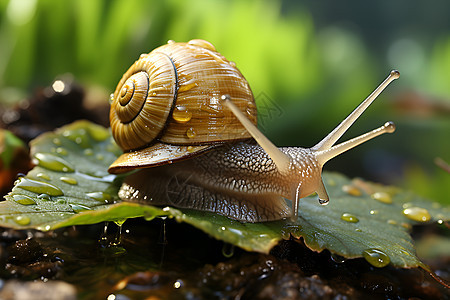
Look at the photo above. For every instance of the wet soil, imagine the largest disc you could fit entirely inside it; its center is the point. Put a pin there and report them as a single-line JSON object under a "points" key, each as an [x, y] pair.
{"points": [[162, 259]]}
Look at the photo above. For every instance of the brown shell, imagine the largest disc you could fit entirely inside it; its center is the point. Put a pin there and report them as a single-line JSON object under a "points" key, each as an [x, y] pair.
{"points": [[171, 96]]}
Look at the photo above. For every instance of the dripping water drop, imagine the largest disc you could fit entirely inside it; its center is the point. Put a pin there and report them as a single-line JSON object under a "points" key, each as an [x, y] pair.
{"points": [[324, 201]]}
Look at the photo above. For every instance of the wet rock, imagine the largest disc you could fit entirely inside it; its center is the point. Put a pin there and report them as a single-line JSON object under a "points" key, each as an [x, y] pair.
{"points": [[25, 251], [28, 259], [51, 290]]}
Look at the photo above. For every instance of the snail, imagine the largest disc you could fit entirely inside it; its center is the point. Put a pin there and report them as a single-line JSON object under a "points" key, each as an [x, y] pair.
{"points": [[186, 117]]}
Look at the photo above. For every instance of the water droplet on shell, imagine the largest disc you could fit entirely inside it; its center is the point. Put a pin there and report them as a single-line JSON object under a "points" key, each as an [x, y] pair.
{"points": [[181, 115], [191, 133]]}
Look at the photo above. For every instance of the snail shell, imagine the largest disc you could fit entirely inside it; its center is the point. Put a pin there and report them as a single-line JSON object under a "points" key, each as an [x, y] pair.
{"points": [[167, 105]]}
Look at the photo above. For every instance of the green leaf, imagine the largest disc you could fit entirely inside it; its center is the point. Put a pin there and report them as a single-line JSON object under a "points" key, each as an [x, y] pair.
{"points": [[9, 145], [70, 186]]}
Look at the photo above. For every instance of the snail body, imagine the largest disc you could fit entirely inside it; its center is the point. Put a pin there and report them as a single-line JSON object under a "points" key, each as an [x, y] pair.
{"points": [[218, 168]]}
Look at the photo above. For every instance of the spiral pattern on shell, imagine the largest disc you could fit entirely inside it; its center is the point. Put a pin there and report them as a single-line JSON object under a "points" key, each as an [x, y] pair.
{"points": [[172, 96], [134, 122]]}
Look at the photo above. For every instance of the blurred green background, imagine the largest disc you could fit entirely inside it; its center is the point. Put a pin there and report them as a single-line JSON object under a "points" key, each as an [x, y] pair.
{"points": [[309, 64]]}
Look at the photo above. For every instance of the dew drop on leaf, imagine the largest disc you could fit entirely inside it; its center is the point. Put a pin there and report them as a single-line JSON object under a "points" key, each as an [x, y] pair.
{"points": [[22, 220], [349, 218], [337, 258], [57, 142], [417, 214], [351, 190], [376, 257], [392, 222], [68, 180], [88, 152], [53, 162], [39, 187], [382, 197], [61, 151], [100, 196], [227, 250], [78, 207], [24, 200], [99, 134], [45, 197], [43, 176]]}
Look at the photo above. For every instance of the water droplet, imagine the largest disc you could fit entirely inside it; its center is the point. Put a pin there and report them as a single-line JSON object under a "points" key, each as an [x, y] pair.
{"points": [[22, 220], [191, 133], [349, 218], [382, 197], [57, 142], [358, 230], [351, 190], [285, 234], [24, 200], [337, 258], [417, 214], [392, 222], [324, 201], [53, 162], [61, 151], [98, 133], [406, 225], [190, 149], [78, 207], [440, 222], [187, 86], [119, 222], [39, 187], [45, 197], [111, 98], [203, 44], [228, 250], [79, 136], [181, 114], [373, 212], [100, 196], [407, 204], [43, 176], [178, 284], [376, 257], [88, 152], [68, 180]]}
